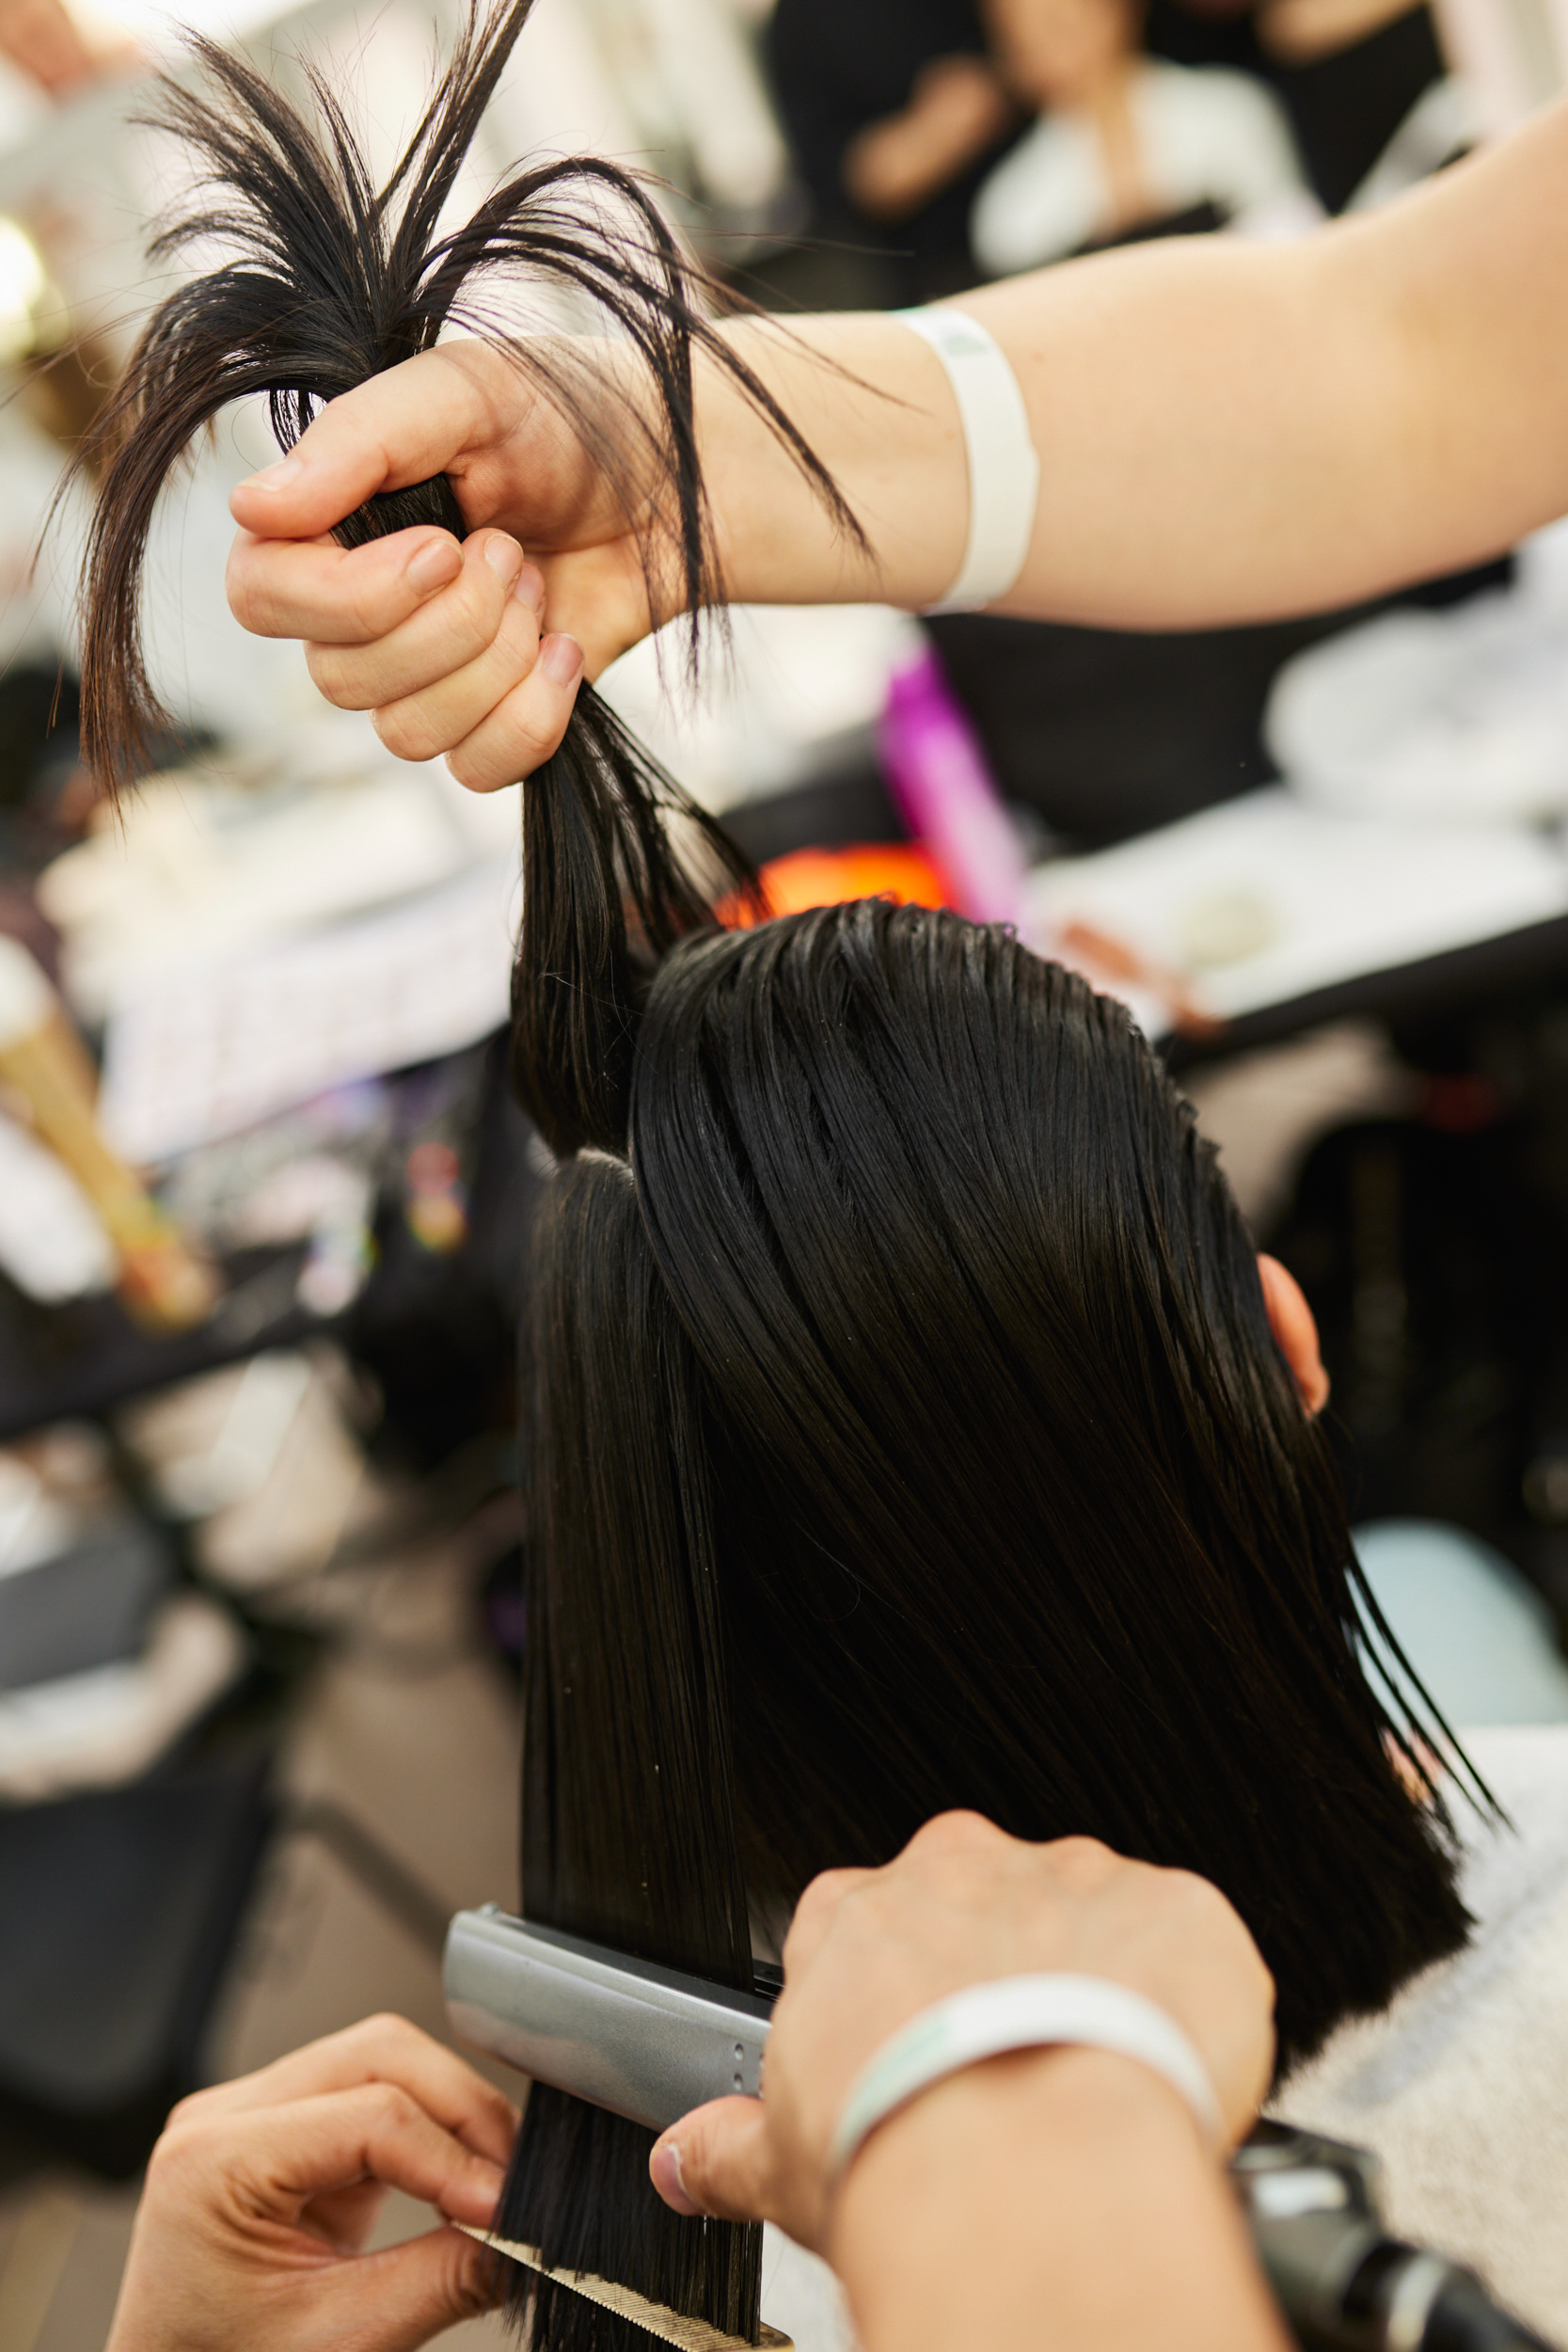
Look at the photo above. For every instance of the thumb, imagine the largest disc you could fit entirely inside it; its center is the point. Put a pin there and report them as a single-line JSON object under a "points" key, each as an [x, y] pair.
{"points": [[401, 2297], [717, 2160]]}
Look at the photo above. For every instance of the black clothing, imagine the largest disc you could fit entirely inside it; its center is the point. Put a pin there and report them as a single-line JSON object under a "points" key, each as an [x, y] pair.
{"points": [[1106, 733], [837, 66], [1345, 108]]}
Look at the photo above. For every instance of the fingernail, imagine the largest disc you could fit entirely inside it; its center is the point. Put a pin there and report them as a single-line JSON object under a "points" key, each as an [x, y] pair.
{"points": [[529, 588], [476, 2199], [665, 2163], [277, 477], [434, 564], [561, 659], [504, 557]]}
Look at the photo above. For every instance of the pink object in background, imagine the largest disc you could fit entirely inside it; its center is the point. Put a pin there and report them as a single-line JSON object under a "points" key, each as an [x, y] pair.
{"points": [[938, 776]]}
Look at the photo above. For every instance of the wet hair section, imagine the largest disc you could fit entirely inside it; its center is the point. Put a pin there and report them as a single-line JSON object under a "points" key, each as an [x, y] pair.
{"points": [[932, 1346]]}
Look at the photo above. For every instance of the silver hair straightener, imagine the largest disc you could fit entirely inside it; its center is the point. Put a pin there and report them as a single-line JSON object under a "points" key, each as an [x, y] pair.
{"points": [[651, 2045]]}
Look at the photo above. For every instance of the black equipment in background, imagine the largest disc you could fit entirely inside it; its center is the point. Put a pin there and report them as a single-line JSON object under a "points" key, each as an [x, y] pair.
{"points": [[1432, 1250], [1342, 2283], [122, 1908]]}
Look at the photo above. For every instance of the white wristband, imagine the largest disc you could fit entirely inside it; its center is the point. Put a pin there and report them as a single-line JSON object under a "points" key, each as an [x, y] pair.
{"points": [[1021, 2013], [1003, 464]]}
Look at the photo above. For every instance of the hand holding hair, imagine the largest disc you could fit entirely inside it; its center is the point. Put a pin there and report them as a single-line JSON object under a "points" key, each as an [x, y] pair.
{"points": [[1228, 432], [328, 283], [1056, 2196], [261, 2192], [963, 1904], [441, 640]]}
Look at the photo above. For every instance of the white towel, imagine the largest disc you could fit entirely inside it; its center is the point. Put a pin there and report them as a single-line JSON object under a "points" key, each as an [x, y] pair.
{"points": [[1462, 2086]]}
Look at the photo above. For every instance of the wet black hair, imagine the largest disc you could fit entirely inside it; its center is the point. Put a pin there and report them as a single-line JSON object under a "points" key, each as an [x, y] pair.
{"points": [[906, 1365], [909, 1433], [906, 1426]]}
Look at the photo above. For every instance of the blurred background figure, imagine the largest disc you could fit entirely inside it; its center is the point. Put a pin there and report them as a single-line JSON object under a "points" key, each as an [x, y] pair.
{"points": [[47, 44], [894, 114], [1124, 144], [943, 143], [1365, 83], [1178, 121]]}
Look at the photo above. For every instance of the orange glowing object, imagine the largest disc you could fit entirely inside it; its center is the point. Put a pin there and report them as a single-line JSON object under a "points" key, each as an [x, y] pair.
{"points": [[900, 871]]}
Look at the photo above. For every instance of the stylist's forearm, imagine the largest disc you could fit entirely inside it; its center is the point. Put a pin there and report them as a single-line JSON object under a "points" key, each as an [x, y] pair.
{"points": [[873, 402], [1054, 2199], [1225, 430]]}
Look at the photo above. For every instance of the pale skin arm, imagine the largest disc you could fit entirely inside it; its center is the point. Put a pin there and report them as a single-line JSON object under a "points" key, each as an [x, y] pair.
{"points": [[1059, 2197], [1227, 431]]}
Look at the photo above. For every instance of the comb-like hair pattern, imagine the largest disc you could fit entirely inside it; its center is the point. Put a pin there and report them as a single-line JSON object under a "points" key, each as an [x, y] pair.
{"points": [[325, 281]]}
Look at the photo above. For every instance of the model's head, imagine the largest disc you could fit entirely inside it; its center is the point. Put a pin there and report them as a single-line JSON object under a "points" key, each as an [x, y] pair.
{"points": [[909, 1432], [915, 1317]]}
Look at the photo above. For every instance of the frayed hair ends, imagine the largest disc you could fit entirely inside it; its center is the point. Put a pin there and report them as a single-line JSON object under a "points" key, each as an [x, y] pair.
{"points": [[327, 282], [628, 1831]]}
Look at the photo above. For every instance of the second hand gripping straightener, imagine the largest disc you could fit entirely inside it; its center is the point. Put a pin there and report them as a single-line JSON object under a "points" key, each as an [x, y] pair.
{"points": [[650, 2043]]}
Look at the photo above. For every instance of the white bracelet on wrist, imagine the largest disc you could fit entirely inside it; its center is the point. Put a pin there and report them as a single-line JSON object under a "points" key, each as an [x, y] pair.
{"points": [[1021, 2013], [1003, 464]]}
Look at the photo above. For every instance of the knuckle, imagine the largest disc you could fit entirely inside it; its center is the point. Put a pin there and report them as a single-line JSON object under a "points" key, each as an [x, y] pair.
{"points": [[468, 768], [478, 2281], [392, 2106], [1086, 1860], [190, 2109], [959, 1831], [518, 634], [477, 603], [532, 735], [495, 755], [1200, 1899], [384, 2028], [405, 731], [696, 2156], [332, 675], [463, 620], [180, 2148], [363, 602], [245, 601], [824, 1893]]}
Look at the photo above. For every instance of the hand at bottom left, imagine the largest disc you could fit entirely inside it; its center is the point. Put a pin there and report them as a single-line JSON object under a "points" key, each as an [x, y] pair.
{"points": [[261, 2193]]}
